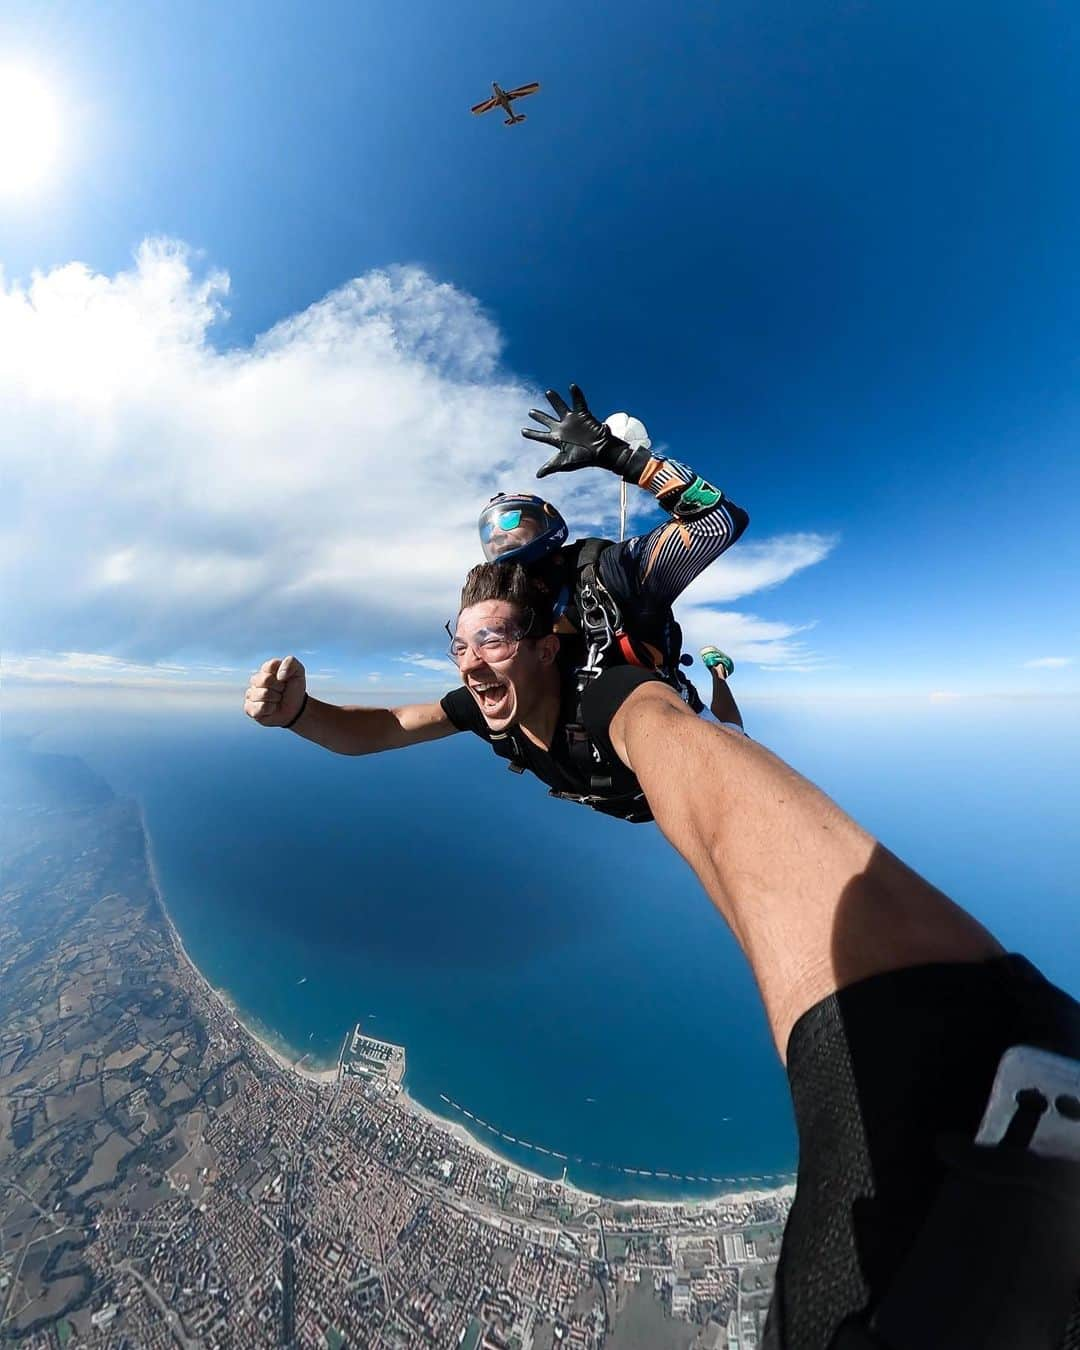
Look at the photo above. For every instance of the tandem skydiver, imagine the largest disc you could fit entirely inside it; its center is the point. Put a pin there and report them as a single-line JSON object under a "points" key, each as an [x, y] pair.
{"points": [[640, 578], [544, 627], [612, 603]]}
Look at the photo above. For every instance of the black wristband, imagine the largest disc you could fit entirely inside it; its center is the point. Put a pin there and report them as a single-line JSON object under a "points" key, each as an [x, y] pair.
{"points": [[631, 464], [299, 714]]}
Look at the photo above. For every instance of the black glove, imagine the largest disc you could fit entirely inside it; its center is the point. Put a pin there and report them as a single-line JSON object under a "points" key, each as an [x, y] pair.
{"points": [[583, 442]]}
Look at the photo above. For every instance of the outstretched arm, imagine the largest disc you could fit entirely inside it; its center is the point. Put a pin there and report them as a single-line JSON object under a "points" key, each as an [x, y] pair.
{"points": [[367, 731], [814, 901], [277, 697]]}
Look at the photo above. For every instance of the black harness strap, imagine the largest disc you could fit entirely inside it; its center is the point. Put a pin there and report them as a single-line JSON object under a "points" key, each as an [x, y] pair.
{"points": [[631, 806], [505, 745], [592, 611], [598, 613]]}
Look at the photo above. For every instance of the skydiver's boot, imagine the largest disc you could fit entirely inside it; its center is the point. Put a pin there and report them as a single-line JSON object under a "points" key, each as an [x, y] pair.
{"points": [[722, 705]]}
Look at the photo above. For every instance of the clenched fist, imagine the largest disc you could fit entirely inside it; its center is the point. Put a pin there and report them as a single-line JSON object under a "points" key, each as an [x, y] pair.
{"points": [[276, 692]]}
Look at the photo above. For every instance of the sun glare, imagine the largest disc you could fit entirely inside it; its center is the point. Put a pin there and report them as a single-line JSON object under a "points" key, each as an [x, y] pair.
{"points": [[29, 131]]}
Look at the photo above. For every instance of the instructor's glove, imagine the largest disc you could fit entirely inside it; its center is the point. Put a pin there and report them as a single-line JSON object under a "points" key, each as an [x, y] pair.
{"points": [[582, 441]]}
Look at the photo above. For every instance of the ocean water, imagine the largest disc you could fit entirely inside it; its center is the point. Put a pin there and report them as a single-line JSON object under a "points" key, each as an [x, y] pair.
{"points": [[560, 974]]}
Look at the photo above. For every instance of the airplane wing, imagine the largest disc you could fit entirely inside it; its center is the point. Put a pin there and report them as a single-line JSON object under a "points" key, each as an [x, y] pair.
{"points": [[522, 90], [486, 106]]}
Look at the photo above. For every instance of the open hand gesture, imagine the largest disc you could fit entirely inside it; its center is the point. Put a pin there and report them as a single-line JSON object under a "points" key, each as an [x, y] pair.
{"points": [[581, 440]]}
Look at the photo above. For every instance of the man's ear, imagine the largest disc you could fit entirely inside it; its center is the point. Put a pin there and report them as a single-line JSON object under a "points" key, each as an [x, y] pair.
{"points": [[547, 649]]}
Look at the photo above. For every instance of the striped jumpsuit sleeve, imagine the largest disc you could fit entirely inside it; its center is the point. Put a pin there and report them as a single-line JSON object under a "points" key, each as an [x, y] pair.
{"points": [[703, 524]]}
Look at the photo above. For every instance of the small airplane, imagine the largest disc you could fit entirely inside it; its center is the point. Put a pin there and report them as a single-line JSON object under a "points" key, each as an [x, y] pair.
{"points": [[502, 98]]}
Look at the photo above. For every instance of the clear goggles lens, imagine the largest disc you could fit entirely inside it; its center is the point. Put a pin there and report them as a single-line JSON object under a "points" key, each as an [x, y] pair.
{"points": [[489, 644]]}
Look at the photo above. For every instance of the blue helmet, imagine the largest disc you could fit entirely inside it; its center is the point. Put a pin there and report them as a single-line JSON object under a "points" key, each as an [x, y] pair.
{"points": [[520, 528]]}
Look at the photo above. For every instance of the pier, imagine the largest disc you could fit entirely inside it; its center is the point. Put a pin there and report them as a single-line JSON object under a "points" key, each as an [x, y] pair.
{"points": [[371, 1058]]}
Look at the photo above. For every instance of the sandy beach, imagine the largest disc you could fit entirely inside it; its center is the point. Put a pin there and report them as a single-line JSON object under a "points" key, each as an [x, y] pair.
{"points": [[325, 1077], [465, 1136]]}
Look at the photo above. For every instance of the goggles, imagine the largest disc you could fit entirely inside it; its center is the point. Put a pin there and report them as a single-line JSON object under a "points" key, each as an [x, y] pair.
{"points": [[489, 644]]}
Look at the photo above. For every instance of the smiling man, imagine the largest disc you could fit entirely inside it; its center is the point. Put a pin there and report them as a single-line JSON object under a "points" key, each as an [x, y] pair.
{"points": [[519, 696], [515, 693]]}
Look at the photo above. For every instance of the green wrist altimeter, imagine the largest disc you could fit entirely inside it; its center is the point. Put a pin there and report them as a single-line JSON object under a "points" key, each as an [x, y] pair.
{"points": [[678, 488], [695, 500]]}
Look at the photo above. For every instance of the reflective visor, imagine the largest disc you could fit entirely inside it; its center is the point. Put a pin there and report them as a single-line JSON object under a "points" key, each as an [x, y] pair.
{"points": [[520, 527], [510, 529], [500, 524]]}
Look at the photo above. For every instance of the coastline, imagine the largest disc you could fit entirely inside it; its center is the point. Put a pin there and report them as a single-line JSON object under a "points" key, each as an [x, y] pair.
{"points": [[465, 1136], [455, 1129], [324, 1077]]}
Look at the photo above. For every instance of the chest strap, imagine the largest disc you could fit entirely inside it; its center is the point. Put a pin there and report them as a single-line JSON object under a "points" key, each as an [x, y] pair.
{"points": [[631, 806]]}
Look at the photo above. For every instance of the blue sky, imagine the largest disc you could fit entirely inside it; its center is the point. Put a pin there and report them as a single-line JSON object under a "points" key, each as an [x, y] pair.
{"points": [[826, 252]]}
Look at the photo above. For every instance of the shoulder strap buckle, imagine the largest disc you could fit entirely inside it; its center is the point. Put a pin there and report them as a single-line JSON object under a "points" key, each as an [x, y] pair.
{"points": [[505, 745]]}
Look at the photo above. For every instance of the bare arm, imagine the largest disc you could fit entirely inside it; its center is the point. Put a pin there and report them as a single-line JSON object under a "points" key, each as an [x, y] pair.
{"points": [[277, 697], [367, 731], [815, 902]]}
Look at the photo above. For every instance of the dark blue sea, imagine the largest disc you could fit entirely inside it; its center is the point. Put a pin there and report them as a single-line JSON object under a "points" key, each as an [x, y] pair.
{"points": [[560, 974]]}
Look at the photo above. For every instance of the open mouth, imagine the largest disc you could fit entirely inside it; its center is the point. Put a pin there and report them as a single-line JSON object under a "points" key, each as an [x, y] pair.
{"points": [[493, 697]]}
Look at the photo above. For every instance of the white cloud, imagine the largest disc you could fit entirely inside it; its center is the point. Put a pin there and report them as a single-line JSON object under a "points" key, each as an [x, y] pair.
{"points": [[162, 497], [93, 668], [746, 638], [747, 568], [753, 566], [1048, 663], [444, 667]]}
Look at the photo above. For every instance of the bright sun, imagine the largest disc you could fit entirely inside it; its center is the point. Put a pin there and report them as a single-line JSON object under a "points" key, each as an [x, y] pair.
{"points": [[29, 131]]}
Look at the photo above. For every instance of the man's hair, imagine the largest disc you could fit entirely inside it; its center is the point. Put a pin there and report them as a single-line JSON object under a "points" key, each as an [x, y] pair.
{"points": [[509, 582]]}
